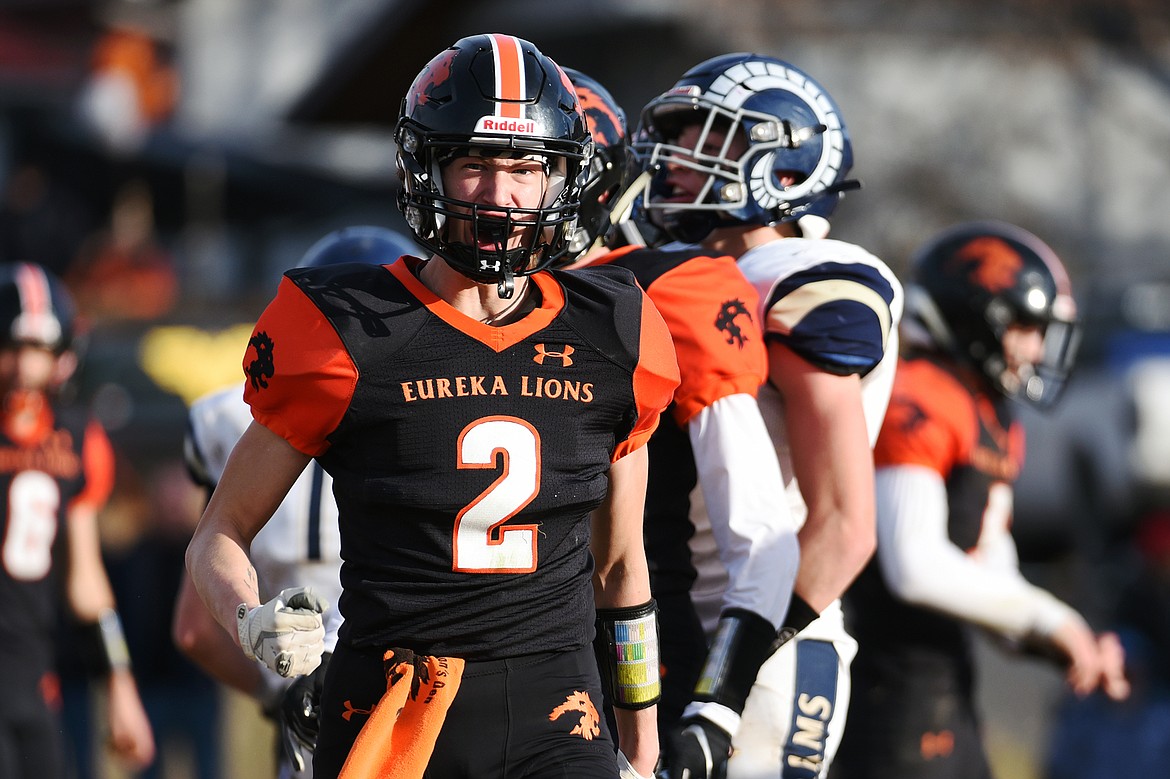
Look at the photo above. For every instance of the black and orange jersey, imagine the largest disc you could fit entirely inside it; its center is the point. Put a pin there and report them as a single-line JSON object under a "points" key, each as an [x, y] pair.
{"points": [[710, 310], [971, 440], [65, 460], [712, 313], [466, 458]]}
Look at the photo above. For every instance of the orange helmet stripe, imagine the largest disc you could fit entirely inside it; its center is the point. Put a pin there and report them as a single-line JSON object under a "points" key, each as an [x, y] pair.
{"points": [[34, 291], [511, 88]]}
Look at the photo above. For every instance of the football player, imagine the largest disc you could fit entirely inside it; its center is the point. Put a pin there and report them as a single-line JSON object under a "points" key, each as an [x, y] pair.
{"points": [[991, 319], [749, 158], [298, 546], [473, 409], [714, 440], [57, 474]]}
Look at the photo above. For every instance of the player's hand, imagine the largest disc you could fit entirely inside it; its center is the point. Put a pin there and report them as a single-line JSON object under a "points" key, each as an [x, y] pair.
{"points": [[131, 737], [287, 633], [1113, 680], [1075, 644], [299, 715], [697, 749]]}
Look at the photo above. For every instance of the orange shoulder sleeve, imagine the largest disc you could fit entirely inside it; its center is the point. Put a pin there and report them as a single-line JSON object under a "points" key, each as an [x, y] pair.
{"points": [[930, 420], [655, 378], [299, 377], [97, 460], [711, 311]]}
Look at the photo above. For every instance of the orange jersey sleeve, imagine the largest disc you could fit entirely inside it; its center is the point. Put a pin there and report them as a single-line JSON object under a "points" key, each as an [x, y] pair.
{"points": [[299, 378], [655, 378], [931, 420], [710, 310], [97, 457]]}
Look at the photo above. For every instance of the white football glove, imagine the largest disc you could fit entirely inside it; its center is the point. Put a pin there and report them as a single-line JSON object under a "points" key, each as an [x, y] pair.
{"points": [[287, 633], [625, 770]]}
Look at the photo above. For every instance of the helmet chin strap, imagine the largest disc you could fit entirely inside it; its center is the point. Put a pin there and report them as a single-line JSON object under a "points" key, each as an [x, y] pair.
{"points": [[505, 288]]}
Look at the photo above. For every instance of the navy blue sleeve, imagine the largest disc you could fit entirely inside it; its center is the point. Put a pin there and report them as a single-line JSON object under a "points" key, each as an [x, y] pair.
{"points": [[835, 315]]}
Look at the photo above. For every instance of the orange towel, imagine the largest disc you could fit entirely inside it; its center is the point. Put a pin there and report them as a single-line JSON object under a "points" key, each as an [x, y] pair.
{"points": [[399, 737]]}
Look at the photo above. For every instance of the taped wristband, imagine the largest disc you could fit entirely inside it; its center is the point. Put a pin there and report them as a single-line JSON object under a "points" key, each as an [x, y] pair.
{"points": [[800, 615], [627, 655], [104, 644], [743, 641]]}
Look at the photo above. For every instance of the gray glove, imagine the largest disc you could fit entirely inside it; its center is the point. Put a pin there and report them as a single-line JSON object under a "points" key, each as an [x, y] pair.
{"points": [[287, 633]]}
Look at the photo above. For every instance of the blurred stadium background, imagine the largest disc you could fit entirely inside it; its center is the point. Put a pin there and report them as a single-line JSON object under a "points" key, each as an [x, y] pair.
{"points": [[170, 158]]}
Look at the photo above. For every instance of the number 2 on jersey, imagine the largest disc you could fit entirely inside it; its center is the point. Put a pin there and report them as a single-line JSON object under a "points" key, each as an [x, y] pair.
{"points": [[481, 544]]}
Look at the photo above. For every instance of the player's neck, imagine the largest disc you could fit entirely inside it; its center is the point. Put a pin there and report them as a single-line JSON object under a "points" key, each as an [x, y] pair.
{"points": [[481, 302], [737, 241]]}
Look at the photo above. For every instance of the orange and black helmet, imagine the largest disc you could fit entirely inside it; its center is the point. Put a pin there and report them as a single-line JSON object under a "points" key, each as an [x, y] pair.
{"points": [[35, 307], [492, 94], [972, 281]]}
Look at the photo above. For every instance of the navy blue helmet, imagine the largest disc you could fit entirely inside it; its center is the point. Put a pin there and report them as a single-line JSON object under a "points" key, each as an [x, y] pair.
{"points": [[362, 243], [797, 155]]}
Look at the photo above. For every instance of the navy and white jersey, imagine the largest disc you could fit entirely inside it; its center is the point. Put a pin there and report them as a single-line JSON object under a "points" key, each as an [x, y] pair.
{"points": [[466, 458], [300, 546], [838, 307]]}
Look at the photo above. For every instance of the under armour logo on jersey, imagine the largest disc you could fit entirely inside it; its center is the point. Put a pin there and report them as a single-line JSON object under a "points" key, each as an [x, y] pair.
{"points": [[587, 726], [563, 355], [350, 710], [725, 322], [262, 368]]}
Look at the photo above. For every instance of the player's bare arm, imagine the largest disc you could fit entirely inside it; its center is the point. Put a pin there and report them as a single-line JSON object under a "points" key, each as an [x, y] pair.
{"points": [[834, 467], [622, 579], [259, 472]]}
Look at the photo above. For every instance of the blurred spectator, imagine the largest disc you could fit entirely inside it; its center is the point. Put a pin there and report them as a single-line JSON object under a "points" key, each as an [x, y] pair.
{"points": [[123, 272], [131, 88]]}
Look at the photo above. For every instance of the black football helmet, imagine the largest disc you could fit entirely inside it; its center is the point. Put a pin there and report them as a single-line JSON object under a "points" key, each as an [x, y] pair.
{"points": [[610, 168], [793, 129], [973, 280], [360, 243], [35, 308], [495, 94]]}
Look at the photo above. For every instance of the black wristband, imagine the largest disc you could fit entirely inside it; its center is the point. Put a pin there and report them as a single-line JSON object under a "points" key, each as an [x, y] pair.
{"points": [[626, 646], [102, 644], [743, 641], [800, 615]]}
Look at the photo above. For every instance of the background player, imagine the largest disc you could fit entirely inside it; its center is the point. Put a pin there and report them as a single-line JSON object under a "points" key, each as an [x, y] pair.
{"points": [[57, 474], [473, 410], [750, 157], [298, 546], [715, 439], [991, 319]]}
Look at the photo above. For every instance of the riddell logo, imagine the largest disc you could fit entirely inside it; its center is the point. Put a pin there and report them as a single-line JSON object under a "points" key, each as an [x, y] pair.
{"points": [[499, 124], [563, 355]]}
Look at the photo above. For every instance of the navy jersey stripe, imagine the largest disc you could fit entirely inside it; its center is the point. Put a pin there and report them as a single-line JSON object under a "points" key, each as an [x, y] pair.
{"points": [[314, 548], [835, 315], [814, 705]]}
